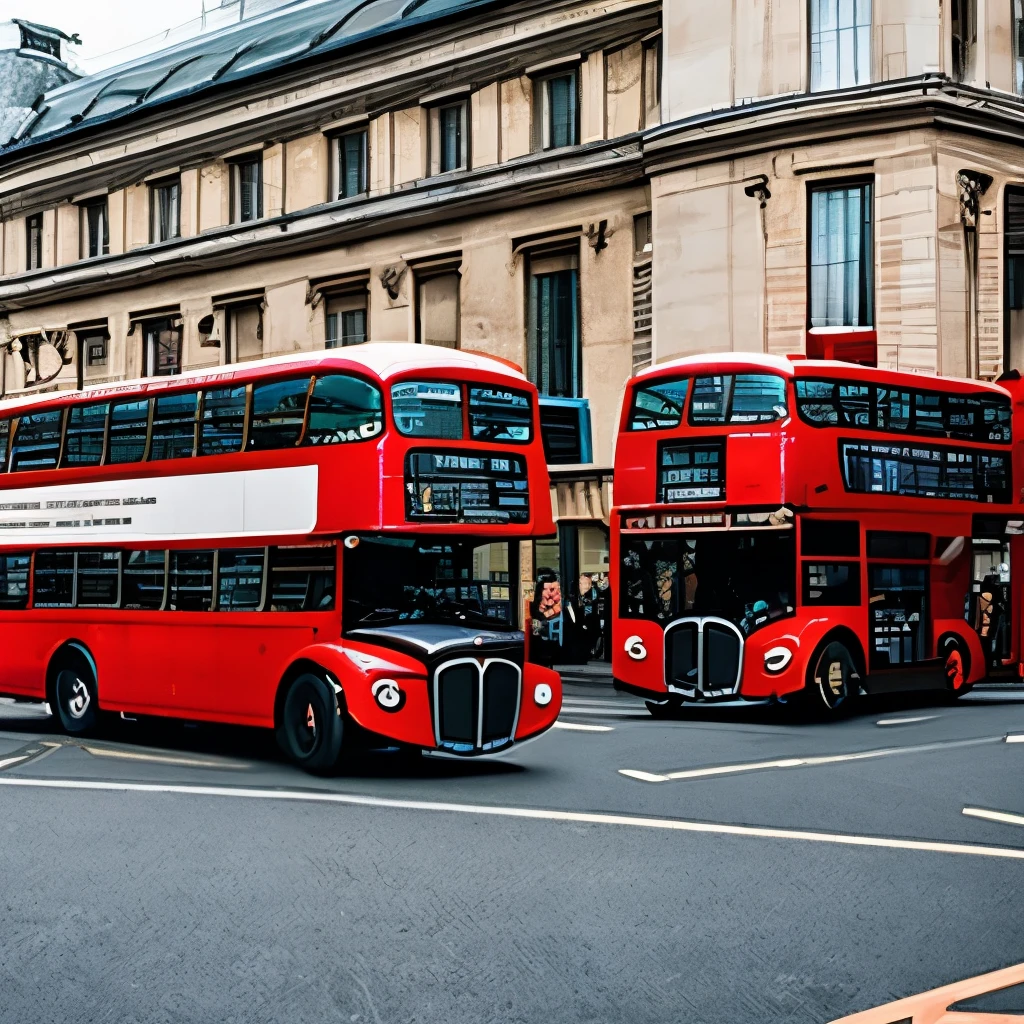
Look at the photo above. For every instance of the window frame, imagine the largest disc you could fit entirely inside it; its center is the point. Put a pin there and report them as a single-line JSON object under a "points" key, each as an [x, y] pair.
{"points": [[236, 164], [155, 187], [422, 277], [85, 229], [436, 147], [337, 165], [359, 299], [867, 286], [543, 126], [34, 228], [535, 373], [812, 87], [149, 331]]}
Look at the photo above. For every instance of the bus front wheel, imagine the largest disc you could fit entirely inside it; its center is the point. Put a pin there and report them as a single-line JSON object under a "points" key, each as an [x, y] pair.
{"points": [[834, 680], [75, 695], [311, 723]]}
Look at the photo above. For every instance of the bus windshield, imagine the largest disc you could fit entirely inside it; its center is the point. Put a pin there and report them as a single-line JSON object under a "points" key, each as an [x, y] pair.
{"points": [[455, 581], [747, 578]]}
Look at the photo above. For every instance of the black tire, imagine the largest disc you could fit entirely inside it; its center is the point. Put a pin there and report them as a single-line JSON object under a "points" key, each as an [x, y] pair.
{"points": [[665, 709], [75, 694], [833, 681], [311, 723], [956, 657]]}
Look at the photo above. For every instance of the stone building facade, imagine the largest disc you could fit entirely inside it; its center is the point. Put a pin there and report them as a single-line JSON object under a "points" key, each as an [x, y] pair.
{"points": [[579, 186]]}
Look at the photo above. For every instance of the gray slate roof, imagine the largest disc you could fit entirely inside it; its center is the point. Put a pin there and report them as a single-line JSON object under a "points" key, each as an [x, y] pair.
{"points": [[225, 57]]}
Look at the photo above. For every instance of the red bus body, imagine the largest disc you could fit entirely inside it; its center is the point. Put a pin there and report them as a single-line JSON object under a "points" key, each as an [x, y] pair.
{"points": [[320, 513], [768, 510]]}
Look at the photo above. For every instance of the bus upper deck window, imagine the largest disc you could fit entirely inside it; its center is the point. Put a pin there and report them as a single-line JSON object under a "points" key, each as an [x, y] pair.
{"points": [[174, 426], [83, 445], [659, 406], [37, 441], [343, 409], [5, 436], [223, 423], [738, 398], [428, 409], [498, 414], [278, 412], [129, 427]]}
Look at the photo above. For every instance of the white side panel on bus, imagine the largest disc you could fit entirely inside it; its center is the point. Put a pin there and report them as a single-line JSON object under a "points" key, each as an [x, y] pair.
{"points": [[217, 506]]}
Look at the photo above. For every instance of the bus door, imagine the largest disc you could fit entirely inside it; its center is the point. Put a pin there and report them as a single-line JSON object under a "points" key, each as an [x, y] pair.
{"points": [[990, 603], [898, 609]]}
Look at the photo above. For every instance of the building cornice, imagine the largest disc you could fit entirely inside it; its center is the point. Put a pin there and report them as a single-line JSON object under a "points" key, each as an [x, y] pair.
{"points": [[291, 102], [534, 179], [931, 101]]}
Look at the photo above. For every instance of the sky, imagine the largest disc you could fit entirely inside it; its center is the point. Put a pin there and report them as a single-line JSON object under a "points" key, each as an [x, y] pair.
{"points": [[105, 25]]}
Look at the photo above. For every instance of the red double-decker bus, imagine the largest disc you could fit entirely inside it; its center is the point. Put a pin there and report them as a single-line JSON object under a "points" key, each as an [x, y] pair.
{"points": [[326, 545], [785, 526]]}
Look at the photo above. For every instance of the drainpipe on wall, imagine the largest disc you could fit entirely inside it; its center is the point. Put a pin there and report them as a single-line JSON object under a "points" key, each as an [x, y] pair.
{"points": [[972, 185]]}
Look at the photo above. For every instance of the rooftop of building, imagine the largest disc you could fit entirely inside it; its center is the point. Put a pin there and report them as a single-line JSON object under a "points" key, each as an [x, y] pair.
{"points": [[299, 33]]}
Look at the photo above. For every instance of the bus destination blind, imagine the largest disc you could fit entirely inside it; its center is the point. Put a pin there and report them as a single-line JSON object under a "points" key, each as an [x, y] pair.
{"points": [[461, 488]]}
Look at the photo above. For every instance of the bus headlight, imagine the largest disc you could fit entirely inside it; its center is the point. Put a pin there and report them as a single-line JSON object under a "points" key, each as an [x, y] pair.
{"points": [[542, 695], [777, 659], [388, 695]]}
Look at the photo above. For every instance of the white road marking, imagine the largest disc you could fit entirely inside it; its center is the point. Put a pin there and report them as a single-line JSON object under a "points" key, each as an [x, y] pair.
{"points": [[131, 755], [1015, 738], [576, 727], [12, 760], [529, 813], [799, 762], [605, 712], [1004, 816], [905, 721]]}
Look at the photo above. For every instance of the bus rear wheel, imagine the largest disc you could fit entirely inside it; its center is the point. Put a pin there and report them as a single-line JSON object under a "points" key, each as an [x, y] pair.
{"points": [[834, 680], [311, 724], [956, 657], [75, 694]]}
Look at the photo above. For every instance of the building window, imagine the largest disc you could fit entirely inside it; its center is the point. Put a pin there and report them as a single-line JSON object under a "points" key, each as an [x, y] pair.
{"points": [[165, 210], [40, 42], [1013, 342], [95, 228], [92, 355], [840, 44], [346, 320], [34, 238], [842, 261], [556, 110], [247, 189], [245, 333], [438, 307], [553, 347], [652, 83], [449, 138], [161, 341], [963, 38], [349, 165]]}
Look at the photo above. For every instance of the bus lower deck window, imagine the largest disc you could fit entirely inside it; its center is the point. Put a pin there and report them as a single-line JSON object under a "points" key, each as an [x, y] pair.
{"points": [[302, 579], [143, 581], [191, 579], [53, 583], [14, 570], [240, 580]]}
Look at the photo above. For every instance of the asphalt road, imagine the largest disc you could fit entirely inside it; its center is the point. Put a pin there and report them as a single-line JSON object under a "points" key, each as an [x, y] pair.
{"points": [[749, 867]]}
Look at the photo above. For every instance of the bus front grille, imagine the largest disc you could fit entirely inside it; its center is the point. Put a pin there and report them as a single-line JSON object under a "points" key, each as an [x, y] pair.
{"points": [[476, 705], [703, 657]]}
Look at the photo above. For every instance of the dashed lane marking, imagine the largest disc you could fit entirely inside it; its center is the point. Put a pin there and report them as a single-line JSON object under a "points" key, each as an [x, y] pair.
{"points": [[1015, 738], [528, 813], [8, 761], [906, 721], [577, 727], [799, 762], [1001, 816], [188, 762]]}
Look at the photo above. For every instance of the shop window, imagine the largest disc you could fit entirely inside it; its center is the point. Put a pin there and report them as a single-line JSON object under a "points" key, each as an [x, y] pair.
{"points": [[161, 341], [449, 138], [245, 333], [842, 270], [553, 350], [94, 228], [247, 188], [34, 241], [165, 210], [346, 319], [840, 44], [348, 165], [438, 308], [556, 110]]}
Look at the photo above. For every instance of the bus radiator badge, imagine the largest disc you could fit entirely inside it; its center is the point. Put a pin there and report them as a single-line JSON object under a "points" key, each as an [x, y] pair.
{"points": [[388, 695]]}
